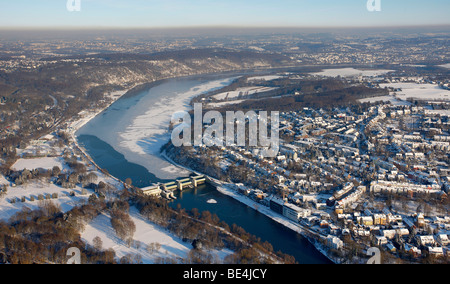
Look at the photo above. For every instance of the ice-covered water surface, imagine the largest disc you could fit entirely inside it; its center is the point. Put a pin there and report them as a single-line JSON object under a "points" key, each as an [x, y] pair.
{"points": [[138, 126]]}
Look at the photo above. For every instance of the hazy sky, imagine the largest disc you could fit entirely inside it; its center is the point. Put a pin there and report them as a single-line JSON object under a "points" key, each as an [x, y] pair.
{"points": [[186, 13]]}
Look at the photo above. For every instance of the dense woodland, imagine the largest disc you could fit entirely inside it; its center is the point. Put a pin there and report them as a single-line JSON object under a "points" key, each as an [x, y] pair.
{"points": [[292, 95], [45, 235]]}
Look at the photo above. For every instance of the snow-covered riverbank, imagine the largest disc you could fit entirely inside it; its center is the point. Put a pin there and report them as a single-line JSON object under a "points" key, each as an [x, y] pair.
{"points": [[138, 126], [151, 123], [225, 189]]}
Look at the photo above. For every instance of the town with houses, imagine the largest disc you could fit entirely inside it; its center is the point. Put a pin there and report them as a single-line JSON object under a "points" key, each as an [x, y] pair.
{"points": [[375, 175], [372, 174]]}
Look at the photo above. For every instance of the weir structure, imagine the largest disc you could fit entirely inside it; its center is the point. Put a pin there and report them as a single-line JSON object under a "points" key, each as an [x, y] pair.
{"points": [[166, 189]]}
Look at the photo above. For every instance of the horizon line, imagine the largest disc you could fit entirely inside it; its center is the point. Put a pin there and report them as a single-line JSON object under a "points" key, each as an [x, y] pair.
{"points": [[31, 28]]}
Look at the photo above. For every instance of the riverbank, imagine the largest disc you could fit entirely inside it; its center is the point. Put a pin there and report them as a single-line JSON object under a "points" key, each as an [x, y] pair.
{"points": [[296, 227], [152, 243], [277, 219], [85, 117], [225, 189], [169, 245]]}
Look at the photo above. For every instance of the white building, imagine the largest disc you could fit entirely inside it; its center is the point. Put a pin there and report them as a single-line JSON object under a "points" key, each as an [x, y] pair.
{"points": [[436, 251], [334, 242], [426, 240], [442, 239], [294, 212], [381, 240]]}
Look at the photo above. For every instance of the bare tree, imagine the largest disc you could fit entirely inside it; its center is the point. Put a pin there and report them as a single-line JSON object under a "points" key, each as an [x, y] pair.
{"points": [[98, 243], [123, 225]]}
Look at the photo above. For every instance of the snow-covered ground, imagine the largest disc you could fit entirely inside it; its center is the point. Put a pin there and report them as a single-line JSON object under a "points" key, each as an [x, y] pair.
{"points": [[394, 101], [40, 148], [419, 91], [146, 234], [86, 116], [35, 187], [221, 104], [46, 163], [351, 72], [438, 112], [265, 78], [242, 91], [32, 190]]}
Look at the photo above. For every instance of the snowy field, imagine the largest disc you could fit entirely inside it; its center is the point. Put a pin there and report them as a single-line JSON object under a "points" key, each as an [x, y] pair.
{"points": [[419, 91], [222, 104], [265, 78], [242, 91], [39, 148], [32, 190], [442, 112], [351, 72], [35, 187], [394, 101], [46, 163], [146, 234]]}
